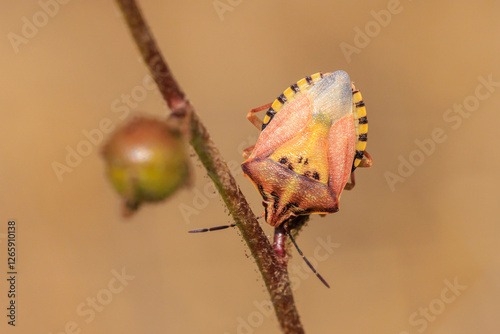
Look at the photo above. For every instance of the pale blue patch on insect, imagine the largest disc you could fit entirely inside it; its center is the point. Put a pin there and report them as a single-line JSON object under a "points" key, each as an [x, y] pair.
{"points": [[321, 118], [333, 95]]}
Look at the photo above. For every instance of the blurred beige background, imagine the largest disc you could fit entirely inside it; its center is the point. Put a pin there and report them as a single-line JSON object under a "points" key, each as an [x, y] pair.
{"points": [[399, 244]]}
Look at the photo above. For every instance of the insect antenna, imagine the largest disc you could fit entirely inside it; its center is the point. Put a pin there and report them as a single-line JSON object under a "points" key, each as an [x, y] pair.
{"points": [[216, 228], [305, 259]]}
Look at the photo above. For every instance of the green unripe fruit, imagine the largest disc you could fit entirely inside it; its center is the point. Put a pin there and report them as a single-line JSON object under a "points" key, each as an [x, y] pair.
{"points": [[146, 161]]}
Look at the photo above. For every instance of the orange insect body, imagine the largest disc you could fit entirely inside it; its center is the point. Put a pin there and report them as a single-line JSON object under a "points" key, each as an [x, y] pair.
{"points": [[313, 137]]}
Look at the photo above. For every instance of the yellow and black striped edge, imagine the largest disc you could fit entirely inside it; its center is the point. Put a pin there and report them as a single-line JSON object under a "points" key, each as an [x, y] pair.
{"points": [[361, 123], [289, 94]]}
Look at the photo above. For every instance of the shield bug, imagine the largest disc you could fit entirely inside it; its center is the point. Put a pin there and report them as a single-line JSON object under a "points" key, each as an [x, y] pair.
{"points": [[312, 139]]}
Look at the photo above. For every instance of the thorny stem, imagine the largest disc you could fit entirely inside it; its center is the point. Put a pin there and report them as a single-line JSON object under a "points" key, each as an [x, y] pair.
{"points": [[273, 270]]}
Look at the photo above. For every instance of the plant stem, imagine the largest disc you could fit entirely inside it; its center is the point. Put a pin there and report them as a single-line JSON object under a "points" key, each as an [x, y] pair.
{"points": [[274, 271]]}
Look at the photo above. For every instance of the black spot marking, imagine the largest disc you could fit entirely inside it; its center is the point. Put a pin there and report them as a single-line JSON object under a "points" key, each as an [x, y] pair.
{"points": [[359, 154], [321, 75], [306, 162], [275, 195], [355, 92], [289, 206], [271, 112], [295, 88], [300, 160], [363, 120], [360, 104], [282, 99], [283, 160], [309, 80], [308, 174], [262, 193], [290, 167], [316, 175], [363, 137]]}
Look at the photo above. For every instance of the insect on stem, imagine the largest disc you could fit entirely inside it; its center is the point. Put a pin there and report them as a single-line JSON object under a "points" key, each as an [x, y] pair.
{"points": [[287, 232], [305, 259]]}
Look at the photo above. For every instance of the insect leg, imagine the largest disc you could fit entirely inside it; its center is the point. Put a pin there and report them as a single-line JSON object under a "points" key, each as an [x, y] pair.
{"points": [[254, 119], [367, 160], [350, 185], [247, 152]]}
